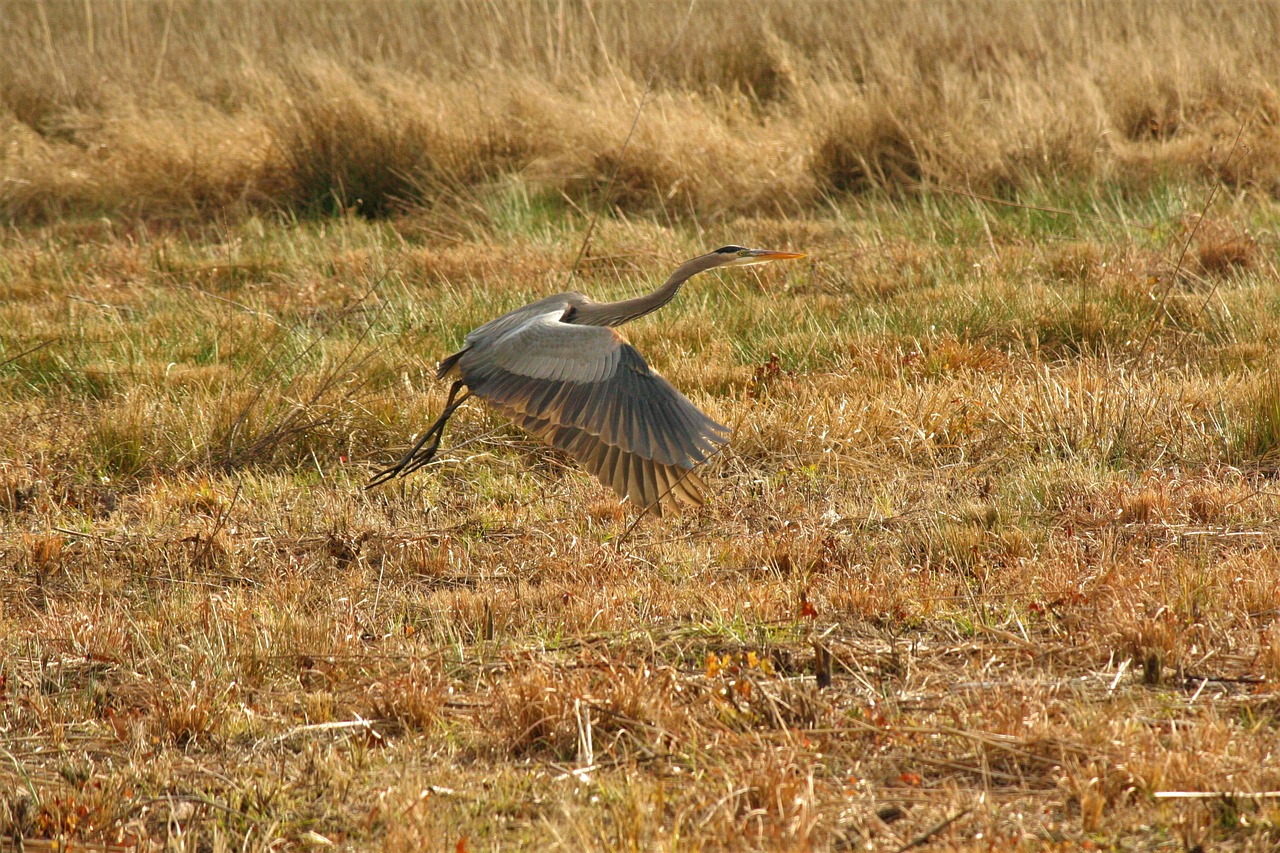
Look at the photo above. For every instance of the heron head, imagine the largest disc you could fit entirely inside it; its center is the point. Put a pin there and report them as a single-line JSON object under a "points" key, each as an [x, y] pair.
{"points": [[739, 256]]}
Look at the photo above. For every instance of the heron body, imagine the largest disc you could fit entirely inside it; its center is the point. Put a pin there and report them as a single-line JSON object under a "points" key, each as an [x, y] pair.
{"points": [[559, 369]]}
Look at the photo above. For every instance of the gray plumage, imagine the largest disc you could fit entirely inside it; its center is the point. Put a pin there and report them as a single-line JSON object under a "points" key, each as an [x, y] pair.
{"points": [[560, 370]]}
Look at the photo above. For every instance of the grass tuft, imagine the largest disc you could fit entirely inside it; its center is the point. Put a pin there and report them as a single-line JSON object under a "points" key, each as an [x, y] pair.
{"points": [[373, 145], [866, 148], [1259, 440]]}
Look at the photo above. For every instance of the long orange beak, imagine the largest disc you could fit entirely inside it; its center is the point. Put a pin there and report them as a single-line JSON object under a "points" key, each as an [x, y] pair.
{"points": [[766, 255]]}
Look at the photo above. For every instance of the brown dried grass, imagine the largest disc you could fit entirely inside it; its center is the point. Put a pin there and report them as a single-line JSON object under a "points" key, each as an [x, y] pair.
{"points": [[982, 567], [213, 113]]}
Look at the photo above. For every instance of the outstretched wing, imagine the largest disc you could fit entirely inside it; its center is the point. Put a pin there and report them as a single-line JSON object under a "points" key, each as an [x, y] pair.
{"points": [[585, 390]]}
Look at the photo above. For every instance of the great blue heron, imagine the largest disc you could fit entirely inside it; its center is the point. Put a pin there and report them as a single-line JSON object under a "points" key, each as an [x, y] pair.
{"points": [[559, 369]]}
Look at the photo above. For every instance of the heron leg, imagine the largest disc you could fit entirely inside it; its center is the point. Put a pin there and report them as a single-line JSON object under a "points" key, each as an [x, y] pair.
{"points": [[420, 455]]}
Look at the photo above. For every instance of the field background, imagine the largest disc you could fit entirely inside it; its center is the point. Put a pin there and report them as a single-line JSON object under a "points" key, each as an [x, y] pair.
{"points": [[991, 562]]}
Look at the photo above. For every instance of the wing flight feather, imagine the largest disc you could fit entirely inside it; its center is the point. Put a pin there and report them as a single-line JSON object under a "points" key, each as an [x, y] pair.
{"points": [[587, 391]]}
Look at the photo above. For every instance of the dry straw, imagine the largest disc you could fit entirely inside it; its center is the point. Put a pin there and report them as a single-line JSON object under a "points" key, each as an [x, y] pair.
{"points": [[189, 111]]}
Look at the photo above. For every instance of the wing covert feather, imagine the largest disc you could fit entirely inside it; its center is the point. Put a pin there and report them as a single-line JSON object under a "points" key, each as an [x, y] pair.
{"points": [[585, 390]]}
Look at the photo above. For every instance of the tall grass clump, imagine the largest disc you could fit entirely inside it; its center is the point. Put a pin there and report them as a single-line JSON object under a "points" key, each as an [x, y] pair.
{"points": [[1259, 435], [866, 146], [372, 144]]}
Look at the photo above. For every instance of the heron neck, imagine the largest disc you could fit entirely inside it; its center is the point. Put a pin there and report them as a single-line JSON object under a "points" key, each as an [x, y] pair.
{"points": [[626, 310]]}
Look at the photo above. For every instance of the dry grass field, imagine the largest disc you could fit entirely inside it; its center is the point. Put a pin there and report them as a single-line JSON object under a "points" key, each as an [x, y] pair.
{"points": [[991, 563]]}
